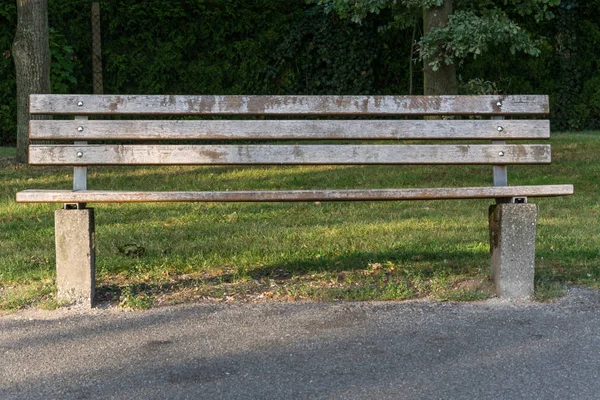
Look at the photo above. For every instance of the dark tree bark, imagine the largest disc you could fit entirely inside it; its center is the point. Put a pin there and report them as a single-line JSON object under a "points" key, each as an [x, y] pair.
{"points": [[442, 81], [31, 54]]}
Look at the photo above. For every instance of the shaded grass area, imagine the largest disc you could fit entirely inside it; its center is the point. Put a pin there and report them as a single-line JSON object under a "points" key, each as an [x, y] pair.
{"points": [[7, 152], [151, 254]]}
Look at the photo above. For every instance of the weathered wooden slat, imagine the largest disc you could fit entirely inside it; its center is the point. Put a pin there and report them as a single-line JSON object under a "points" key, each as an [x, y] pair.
{"points": [[288, 105], [288, 129], [107, 196], [287, 154]]}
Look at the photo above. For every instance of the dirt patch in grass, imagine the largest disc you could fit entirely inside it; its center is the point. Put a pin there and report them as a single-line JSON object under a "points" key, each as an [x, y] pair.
{"points": [[377, 282]]}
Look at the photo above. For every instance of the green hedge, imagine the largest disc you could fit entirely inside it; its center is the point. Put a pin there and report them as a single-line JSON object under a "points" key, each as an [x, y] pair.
{"points": [[290, 47]]}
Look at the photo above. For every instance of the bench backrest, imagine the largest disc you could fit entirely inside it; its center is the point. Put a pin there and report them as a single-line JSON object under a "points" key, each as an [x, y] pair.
{"points": [[299, 123]]}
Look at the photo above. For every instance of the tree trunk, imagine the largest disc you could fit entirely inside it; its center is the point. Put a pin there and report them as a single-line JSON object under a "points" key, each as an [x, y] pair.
{"points": [[442, 81], [31, 54]]}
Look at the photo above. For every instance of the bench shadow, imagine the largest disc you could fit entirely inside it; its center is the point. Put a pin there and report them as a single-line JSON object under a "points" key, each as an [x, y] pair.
{"points": [[416, 265]]}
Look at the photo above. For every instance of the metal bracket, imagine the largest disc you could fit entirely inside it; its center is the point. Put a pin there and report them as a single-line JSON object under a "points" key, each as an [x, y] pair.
{"points": [[511, 200], [500, 172], [74, 206]]}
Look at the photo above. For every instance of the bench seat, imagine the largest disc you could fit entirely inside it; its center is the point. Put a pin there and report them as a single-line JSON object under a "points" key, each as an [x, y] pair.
{"points": [[112, 196]]}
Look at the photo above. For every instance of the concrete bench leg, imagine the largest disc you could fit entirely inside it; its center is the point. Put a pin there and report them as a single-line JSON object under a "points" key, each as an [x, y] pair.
{"points": [[75, 256], [512, 245]]}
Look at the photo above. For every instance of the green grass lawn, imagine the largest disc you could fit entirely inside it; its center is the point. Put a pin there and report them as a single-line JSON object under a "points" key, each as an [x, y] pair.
{"points": [[167, 253]]}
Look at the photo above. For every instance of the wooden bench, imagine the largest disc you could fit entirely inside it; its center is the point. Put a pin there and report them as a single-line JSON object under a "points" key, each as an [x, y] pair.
{"points": [[512, 221]]}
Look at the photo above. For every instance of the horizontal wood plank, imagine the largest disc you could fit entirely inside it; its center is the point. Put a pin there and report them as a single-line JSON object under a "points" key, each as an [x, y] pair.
{"points": [[286, 154], [100, 196], [287, 105], [288, 129]]}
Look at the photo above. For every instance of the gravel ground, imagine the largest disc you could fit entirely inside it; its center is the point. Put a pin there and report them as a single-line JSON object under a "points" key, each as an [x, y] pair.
{"points": [[370, 350]]}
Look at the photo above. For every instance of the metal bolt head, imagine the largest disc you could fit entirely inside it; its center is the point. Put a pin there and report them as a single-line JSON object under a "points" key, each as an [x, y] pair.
{"points": [[79, 154], [499, 104], [500, 129], [80, 129], [501, 154], [80, 104]]}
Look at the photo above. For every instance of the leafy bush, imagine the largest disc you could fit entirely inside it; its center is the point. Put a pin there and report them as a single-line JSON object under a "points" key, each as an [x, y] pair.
{"points": [[291, 47], [8, 100]]}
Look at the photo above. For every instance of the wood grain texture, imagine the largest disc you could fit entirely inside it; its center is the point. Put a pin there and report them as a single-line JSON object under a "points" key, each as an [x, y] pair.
{"points": [[286, 154], [288, 129], [288, 105], [105, 196]]}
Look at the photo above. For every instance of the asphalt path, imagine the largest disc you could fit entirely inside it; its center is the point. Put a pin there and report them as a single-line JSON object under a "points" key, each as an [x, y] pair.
{"points": [[381, 350]]}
